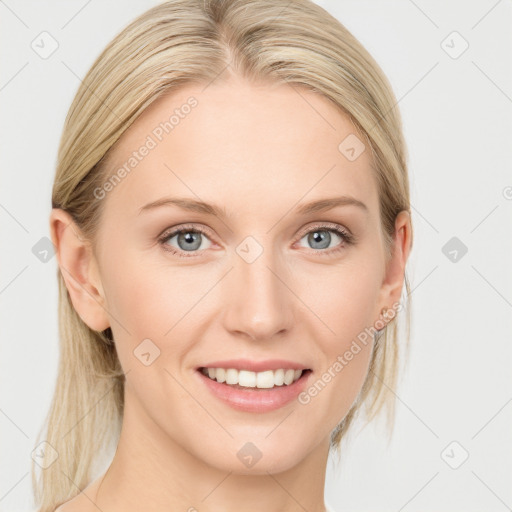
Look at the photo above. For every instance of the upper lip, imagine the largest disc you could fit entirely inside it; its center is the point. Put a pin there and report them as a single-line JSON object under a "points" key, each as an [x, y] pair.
{"points": [[255, 366]]}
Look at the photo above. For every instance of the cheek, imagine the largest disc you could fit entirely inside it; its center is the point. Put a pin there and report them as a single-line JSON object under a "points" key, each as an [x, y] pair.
{"points": [[156, 301], [334, 390], [345, 299]]}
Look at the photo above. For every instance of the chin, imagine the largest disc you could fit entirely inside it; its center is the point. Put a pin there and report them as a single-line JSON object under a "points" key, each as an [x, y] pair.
{"points": [[256, 457]]}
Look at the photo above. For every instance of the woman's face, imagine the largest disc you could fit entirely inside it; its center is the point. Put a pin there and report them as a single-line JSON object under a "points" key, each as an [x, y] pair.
{"points": [[256, 276]]}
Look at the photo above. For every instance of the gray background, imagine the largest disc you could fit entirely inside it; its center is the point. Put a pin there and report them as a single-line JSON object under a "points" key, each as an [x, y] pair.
{"points": [[457, 112]]}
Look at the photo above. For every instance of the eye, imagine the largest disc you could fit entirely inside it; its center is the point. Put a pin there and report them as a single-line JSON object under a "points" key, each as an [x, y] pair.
{"points": [[188, 239], [321, 238]]}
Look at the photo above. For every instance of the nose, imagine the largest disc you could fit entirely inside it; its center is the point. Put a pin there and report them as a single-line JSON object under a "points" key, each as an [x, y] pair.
{"points": [[259, 303]]}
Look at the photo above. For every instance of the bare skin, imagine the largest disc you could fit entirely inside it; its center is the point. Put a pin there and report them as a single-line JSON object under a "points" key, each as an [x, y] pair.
{"points": [[260, 152]]}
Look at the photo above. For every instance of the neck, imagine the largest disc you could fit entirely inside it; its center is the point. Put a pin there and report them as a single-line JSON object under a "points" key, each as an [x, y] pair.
{"points": [[150, 471]]}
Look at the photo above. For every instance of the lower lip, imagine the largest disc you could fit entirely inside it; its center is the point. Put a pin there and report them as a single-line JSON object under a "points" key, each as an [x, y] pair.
{"points": [[256, 399]]}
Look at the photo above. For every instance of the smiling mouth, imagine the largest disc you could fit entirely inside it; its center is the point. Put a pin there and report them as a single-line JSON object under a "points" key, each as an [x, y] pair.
{"points": [[254, 381]]}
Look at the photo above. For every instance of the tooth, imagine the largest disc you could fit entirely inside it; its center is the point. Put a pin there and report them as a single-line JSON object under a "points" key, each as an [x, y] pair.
{"points": [[279, 377], [247, 378], [231, 376], [288, 377], [221, 374], [265, 379]]}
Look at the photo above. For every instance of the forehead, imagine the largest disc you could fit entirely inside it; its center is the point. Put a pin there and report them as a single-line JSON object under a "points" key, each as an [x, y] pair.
{"points": [[243, 146]]}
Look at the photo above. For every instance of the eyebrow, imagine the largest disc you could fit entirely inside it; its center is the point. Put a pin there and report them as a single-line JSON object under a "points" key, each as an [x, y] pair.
{"points": [[212, 209]]}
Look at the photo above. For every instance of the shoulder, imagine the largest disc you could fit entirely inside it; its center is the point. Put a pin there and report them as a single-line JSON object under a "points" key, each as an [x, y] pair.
{"points": [[75, 504], [82, 502]]}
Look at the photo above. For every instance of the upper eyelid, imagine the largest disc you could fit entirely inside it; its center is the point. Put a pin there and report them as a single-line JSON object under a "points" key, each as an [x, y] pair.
{"points": [[327, 225]]}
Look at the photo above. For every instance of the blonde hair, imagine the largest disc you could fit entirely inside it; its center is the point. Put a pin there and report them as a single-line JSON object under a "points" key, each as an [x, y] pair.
{"points": [[176, 43]]}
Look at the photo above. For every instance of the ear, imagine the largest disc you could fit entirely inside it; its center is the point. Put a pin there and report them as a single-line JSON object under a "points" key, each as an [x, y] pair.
{"points": [[79, 269], [391, 289]]}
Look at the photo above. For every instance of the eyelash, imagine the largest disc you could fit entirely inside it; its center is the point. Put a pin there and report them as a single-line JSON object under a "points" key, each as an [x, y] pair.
{"points": [[347, 238]]}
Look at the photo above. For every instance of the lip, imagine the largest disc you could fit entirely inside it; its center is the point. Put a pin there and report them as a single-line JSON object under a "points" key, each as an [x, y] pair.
{"points": [[254, 366], [257, 400]]}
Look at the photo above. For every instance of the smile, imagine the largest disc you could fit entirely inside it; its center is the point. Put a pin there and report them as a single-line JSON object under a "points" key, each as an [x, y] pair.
{"points": [[257, 392]]}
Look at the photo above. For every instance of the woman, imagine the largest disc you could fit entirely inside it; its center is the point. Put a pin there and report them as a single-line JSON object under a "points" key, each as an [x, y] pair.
{"points": [[232, 223]]}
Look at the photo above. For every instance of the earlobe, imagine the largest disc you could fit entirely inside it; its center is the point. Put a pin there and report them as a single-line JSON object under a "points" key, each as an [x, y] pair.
{"points": [[79, 269]]}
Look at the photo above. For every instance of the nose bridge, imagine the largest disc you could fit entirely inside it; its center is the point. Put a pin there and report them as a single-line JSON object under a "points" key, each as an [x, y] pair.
{"points": [[259, 302]]}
